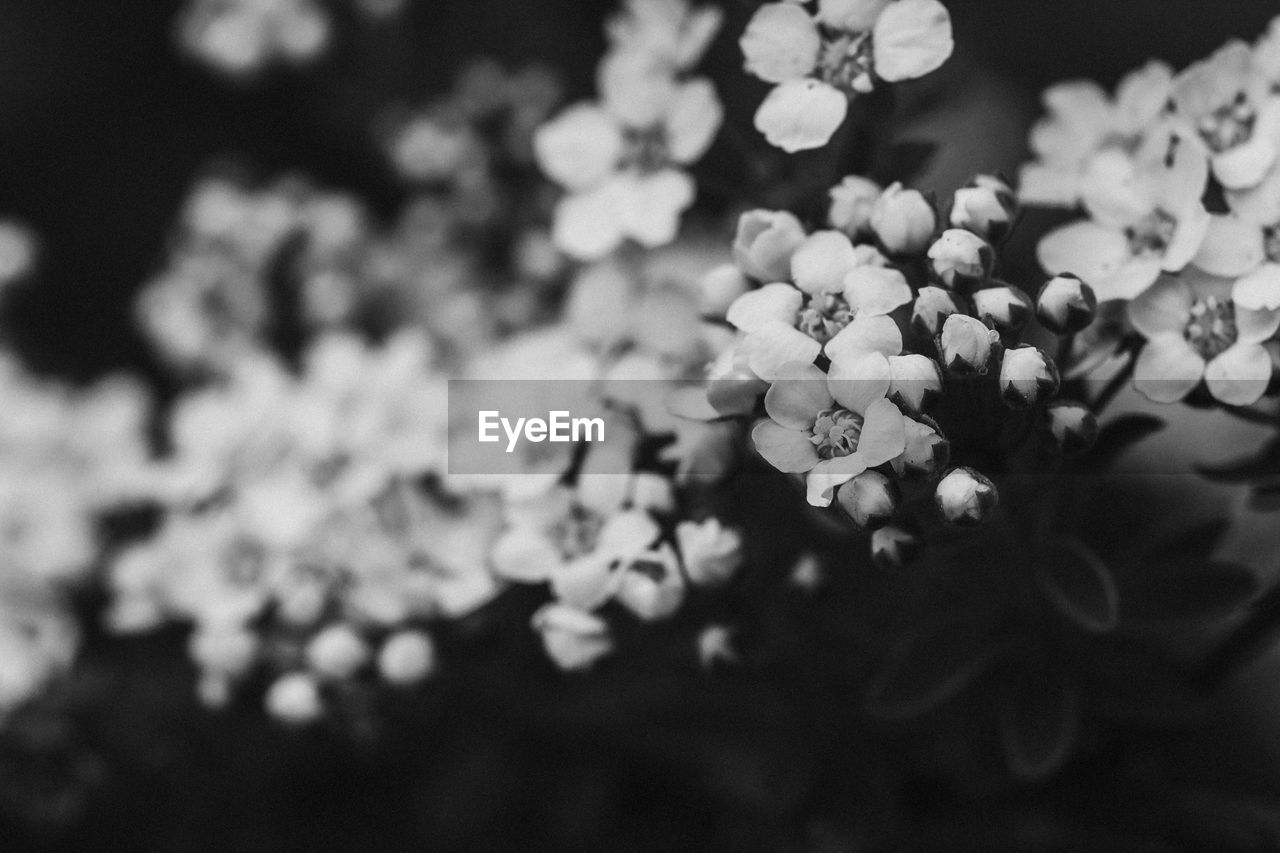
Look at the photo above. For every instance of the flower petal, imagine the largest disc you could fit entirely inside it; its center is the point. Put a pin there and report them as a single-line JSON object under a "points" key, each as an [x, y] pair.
{"points": [[781, 43], [589, 225], [1240, 375], [626, 534], [1231, 247], [788, 450], [1085, 249], [1165, 307], [1259, 289], [820, 264], [829, 475], [858, 383], [1167, 369], [801, 114], [911, 38], [774, 344], [876, 290], [1188, 237], [866, 334], [1253, 326], [579, 148], [524, 555], [772, 303], [854, 16], [693, 120], [797, 395], [652, 205], [884, 434]]}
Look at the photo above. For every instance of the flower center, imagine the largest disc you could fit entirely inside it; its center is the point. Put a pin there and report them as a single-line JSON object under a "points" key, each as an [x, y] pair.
{"points": [[1211, 328], [1152, 234], [835, 432], [578, 533], [646, 150], [1229, 125], [845, 62], [824, 317]]}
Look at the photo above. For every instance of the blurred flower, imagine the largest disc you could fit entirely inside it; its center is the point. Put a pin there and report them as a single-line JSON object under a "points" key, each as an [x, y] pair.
{"points": [[294, 699], [904, 220], [240, 37], [573, 638]]}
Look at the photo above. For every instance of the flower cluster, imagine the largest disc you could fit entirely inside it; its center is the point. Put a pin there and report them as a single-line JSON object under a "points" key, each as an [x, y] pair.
{"points": [[1180, 177], [886, 349], [621, 160], [241, 37], [820, 59]]}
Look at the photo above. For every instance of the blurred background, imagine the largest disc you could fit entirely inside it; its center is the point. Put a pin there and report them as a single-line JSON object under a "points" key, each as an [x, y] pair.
{"points": [[103, 126]]}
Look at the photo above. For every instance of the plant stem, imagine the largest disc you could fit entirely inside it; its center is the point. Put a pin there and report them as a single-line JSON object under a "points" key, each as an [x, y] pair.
{"points": [[1113, 387]]}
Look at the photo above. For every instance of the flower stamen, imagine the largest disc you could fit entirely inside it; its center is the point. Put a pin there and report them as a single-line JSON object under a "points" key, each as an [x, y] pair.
{"points": [[1211, 329], [1152, 234], [824, 317], [836, 432], [846, 62]]}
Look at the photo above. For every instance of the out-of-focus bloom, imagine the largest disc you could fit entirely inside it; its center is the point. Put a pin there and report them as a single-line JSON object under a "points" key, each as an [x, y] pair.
{"points": [[1196, 332], [903, 219], [715, 646], [240, 37], [1147, 217], [295, 699], [712, 553], [764, 243], [1027, 377], [407, 657], [1073, 425], [18, 250], [651, 585], [337, 652], [574, 638], [965, 497], [965, 344], [719, 289], [852, 202], [1085, 129], [38, 641], [821, 61], [894, 547], [830, 430], [1065, 304]]}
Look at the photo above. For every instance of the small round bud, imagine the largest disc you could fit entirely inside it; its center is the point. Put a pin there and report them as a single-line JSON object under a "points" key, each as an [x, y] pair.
{"points": [[960, 258], [1066, 304], [904, 220], [894, 547], [650, 585], [406, 657], [574, 639], [965, 344], [294, 699], [932, 307], [914, 381], [1073, 425], [851, 204], [765, 242], [870, 499], [965, 497], [986, 207], [926, 452], [1027, 376], [1004, 308], [719, 288], [337, 652], [227, 651], [712, 553]]}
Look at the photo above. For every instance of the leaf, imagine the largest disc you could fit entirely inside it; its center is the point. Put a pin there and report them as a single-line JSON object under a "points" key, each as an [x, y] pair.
{"points": [[925, 671], [1117, 436], [1195, 544], [1079, 585], [1190, 592], [1260, 465], [1039, 723], [1265, 498]]}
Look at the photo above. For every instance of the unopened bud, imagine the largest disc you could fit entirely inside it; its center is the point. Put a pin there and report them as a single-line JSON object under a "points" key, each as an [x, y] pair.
{"points": [[1004, 308], [712, 553], [1066, 304], [294, 699], [965, 344], [925, 453], [932, 307], [965, 497], [765, 242], [573, 638], [870, 499], [1027, 377], [337, 652], [851, 204], [904, 220], [986, 207], [961, 258], [407, 657], [914, 381], [894, 547], [1073, 425]]}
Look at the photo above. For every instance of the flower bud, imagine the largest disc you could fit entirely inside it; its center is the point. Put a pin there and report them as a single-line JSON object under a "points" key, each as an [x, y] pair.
{"points": [[1027, 376], [986, 207], [712, 553], [715, 646], [965, 344], [227, 650], [1066, 304], [406, 657], [1004, 308], [894, 547], [932, 307], [961, 257], [914, 381], [1073, 425], [904, 220], [926, 452], [294, 699], [719, 288], [337, 652], [574, 639], [765, 241], [965, 497], [651, 585], [870, 499], [851, 204]]}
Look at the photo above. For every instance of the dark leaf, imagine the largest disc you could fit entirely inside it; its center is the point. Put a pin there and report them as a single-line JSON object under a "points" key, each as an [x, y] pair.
{"points": [[1194, 545], [1039, 721], [1265, 498], [1079, 585], [1117, 436], [1261, 465], [927, 670], [1190, 592], [906, 159]]}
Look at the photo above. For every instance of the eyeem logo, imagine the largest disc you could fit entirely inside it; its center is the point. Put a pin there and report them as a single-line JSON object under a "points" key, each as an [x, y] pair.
{"points": [[558, 427]]}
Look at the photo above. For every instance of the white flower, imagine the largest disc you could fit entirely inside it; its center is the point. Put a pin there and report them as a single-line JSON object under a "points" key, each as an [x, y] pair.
{"points": [[1194, 331], [651, 585], [406, 657], [574, 638], [711, 552], [966, 497], [294, 699], [337, 652], [819, 63], [960, 255], [240, 36]]}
